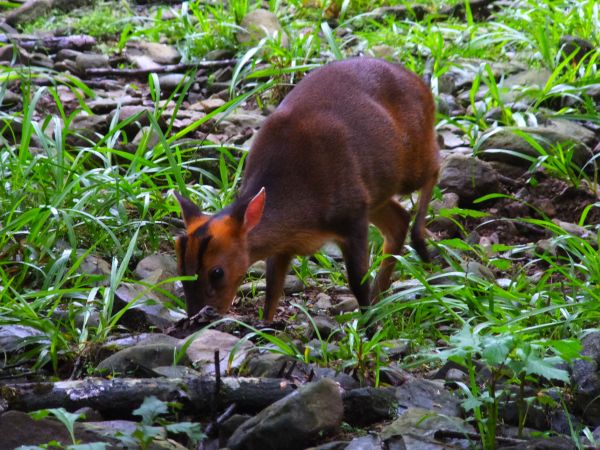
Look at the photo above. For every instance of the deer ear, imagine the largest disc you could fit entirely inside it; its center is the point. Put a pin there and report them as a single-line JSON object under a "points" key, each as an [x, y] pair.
{"points": [[189, 211], [254, 210]]}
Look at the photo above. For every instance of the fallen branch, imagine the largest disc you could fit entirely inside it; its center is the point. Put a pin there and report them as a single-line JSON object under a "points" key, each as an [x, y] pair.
{"points": [[116, 398], [49, 43], [136, 73]]}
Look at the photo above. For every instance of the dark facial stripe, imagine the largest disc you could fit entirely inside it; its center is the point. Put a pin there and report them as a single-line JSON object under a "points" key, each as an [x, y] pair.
{"points": [[202, 249], [201, 229], [181, 247]]}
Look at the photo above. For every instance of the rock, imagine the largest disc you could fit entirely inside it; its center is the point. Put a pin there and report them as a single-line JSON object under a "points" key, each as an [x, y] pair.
{"points": [[368, 405], [292, 285], [451, 140], [258, 24], [121, 343], [449, 200], [431, 395], [9, 99], [295, 421], [346, 303], [510, 91], [383, 51], [585, 376], [85, 61], [547, 136], [368, 442], [85, 128], [139, 359], [104, 105], [176, 372], [160, 53], [469, 178], [149, 307], [571, 44], [67, 54], [19, 429], [417, 426], [163, 263], [110, 430], [577, 230], [28, 12], [267, 365], [202, 351], [146, 133], [323, 301], [94, 265], [170, 81], [142, 114], [326, 326], [552, 443], [15, 337], [239, 119], [227, 428], [208, 105], [411, 11]]}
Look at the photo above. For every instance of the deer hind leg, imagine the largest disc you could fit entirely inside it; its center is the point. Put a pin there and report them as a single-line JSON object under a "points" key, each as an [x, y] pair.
{"points": [[277, 267], [393, 221], [417, 234], [355, 248]]}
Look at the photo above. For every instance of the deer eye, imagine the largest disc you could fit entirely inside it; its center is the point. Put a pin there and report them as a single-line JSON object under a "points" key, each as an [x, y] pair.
{"points": [[215, 274]]}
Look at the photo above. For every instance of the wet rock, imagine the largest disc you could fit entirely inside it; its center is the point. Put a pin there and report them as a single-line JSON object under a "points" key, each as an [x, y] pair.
{"points": [[345, 303], [295, 421], [85, 61], [15, 337], [547, 136], [368, 405], [431, 395], [139, 359], [149, 308], [469, 178], [258, 24], [417, 426], [202, 351]]}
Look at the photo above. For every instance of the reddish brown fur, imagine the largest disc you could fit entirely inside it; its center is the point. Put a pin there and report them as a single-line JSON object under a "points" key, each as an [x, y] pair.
{"points": [[331, 158]]}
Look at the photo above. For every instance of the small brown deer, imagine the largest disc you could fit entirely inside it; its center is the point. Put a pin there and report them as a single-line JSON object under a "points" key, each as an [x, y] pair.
{"points": [[347, 139]]}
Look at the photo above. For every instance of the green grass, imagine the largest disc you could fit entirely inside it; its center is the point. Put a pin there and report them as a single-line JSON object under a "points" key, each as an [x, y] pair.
{"points": [[61, 201]]}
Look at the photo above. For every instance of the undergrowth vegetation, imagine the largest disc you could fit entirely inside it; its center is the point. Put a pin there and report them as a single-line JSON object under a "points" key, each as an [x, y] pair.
{"points": [[66, 195]]}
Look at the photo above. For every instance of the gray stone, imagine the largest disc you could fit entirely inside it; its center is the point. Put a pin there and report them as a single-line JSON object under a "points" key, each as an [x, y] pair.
{"points": [[104, 105], [295, 421], [267, 365], [86, 61], [169, 82], [160, 53], [67, 54], [15, 337], [469, 178], [150, 306], [585, 376], [139, 359], [202, 351], [552, 443], [19, 429], [176, 372], [326, 326], [345, 303], [368, 442], [8, 99], [417, 426], [146, 133], [208, 105], [239, 119], [383, 51], [323, 301], [292, 285], [494, 147], [368, 405], [94, 265], [431, 395], [258, 24], [85, 128], [110, 429], [163, 263], [121, 343]]}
